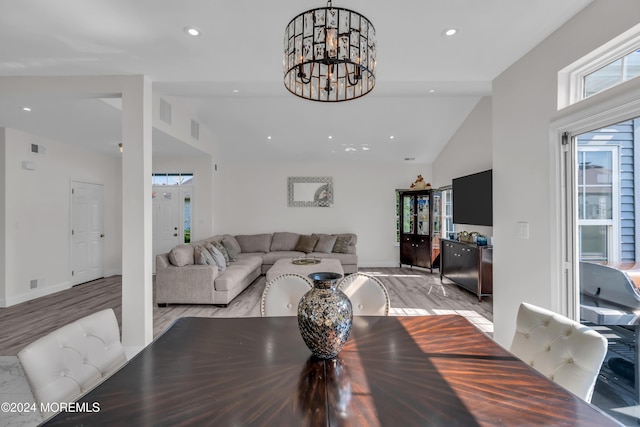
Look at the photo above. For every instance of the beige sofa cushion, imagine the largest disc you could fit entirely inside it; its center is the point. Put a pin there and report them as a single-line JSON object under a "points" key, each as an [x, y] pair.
{"points": [[181, 255], [271, 257], [236, 272], [254, 242], [283, 241]]}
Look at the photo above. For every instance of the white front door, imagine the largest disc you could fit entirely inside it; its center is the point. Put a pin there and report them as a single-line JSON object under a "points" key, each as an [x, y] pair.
{"points": [[167, 219], [87, 232]]}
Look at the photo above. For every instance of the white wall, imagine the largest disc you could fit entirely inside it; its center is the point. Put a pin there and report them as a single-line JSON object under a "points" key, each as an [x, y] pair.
{"points": [[202, 202], [253, 199], [3, 222], [37, 212], [524, 103], [470, 150]]}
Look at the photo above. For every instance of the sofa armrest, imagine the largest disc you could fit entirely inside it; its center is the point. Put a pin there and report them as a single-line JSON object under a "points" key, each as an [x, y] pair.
{"points": [[190, 284]]}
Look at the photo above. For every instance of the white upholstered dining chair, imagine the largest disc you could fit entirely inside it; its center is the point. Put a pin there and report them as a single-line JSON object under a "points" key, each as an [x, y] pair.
{"points": [[562, 349], [367, 293], [282, 295], [64, 364]]}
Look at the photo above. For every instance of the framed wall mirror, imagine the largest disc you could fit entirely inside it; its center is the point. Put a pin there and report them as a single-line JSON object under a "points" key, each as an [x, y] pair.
{"points": [[310, 191]]}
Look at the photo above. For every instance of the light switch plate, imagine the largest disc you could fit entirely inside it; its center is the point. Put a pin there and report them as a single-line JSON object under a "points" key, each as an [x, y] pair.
{"points": [[522, 230]]}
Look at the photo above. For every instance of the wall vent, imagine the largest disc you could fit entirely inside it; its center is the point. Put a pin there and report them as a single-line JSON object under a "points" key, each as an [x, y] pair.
{"points": [[195, 130], [37, 149], [165, 111], [33, 283]]}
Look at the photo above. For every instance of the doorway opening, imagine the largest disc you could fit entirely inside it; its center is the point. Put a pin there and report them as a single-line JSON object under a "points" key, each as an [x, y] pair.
{"points": [[605, 193], [172, 195]]}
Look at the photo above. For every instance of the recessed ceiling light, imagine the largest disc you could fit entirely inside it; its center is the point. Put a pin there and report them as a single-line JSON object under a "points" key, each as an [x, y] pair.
{"points": [[330, 137], [391, 137], [449, 32], [236, 91], [431, 90], [350, 149], [365, 148], [26, 108], [269, 137], [192, 31]]}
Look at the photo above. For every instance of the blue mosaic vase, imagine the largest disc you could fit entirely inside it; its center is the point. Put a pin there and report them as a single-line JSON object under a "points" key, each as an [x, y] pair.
{"points": [[325, 316]]}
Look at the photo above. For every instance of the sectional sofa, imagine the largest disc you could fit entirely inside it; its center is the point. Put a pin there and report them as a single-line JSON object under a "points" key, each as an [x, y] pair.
{"points": [[183, 276]]}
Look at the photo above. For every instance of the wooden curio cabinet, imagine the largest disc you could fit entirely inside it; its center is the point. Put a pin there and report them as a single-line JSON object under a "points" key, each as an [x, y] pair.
{"points": [[420, 220]]}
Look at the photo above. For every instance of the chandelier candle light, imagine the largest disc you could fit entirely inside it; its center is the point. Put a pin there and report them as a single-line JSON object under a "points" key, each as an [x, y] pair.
{"points": [[329, 55]]}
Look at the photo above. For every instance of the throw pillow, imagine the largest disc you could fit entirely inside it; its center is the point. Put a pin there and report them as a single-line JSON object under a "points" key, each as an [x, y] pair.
{"points": [[306, 243], [325, 243], [224, 252], [231, 248], [342, 244], [230, 241], [217, 257], [203, 256], [181, 255]]}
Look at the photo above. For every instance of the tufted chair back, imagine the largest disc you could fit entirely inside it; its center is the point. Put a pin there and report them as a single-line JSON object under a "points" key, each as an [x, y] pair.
{"points": [[368, 295], [562, 349], [282, 295], [61, 366]]}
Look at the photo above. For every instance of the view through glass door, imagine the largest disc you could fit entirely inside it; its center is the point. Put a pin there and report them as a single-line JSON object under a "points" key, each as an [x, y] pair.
{"points": [[606, 196]]}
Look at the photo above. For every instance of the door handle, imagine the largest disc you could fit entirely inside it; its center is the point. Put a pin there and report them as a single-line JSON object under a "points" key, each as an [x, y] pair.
{"points": [[175, 234], [175, 228], [101, 234]]}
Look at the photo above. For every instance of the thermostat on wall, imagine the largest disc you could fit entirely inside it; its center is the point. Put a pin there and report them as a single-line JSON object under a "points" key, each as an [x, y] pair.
{"points": [[30, 166]]}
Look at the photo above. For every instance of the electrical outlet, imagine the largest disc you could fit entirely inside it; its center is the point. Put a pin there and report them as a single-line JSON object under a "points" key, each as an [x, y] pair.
{"points": [[34, 283]]}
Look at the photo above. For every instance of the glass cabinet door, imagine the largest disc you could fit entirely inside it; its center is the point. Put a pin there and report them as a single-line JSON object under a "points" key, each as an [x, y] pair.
{"points": [[407, 214], [423, 215]]}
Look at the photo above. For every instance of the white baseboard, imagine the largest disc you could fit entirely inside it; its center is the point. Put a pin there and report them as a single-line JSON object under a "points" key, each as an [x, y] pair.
{"points": [[36, 293], [113, 272]]}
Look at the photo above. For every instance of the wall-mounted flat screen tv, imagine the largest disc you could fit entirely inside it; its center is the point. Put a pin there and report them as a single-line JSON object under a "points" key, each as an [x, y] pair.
{"points": [[473, 199]]}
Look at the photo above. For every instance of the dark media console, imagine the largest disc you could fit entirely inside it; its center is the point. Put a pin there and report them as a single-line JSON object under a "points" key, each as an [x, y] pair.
{"points": [[468, 265]]}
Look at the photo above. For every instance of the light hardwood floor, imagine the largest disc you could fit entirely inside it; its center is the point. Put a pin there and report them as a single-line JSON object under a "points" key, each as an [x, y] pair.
{"points": [[408, 291]]}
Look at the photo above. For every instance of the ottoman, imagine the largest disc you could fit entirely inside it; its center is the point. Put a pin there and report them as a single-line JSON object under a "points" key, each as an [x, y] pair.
{"points": [[285, 265]]}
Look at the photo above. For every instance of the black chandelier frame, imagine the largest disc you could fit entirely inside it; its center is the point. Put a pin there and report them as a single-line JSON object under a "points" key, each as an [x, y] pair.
{"points": [[329, 55]]}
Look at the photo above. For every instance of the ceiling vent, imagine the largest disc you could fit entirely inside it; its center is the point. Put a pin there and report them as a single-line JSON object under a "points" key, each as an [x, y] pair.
{"points": [[195, 130], [165, 111]]}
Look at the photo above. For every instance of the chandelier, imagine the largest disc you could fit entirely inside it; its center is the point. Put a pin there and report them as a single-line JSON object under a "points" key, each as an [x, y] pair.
{"points": [[329, 55]]}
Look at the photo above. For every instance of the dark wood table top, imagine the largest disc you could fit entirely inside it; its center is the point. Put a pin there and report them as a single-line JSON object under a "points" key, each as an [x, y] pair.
{"points": [[394, 371]]}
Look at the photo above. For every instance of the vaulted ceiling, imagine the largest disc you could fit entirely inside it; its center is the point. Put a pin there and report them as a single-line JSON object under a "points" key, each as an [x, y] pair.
{"points": [[230, 75]]}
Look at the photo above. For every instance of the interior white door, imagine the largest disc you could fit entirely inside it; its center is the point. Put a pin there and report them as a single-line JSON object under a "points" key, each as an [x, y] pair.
{"points": [[87, 232], [167, 219]]}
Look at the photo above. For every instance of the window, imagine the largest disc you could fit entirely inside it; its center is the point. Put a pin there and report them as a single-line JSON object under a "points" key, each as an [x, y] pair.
{"points": [[597, 191], [447, 213], [611, 64], [171, 178], [615, 72]]}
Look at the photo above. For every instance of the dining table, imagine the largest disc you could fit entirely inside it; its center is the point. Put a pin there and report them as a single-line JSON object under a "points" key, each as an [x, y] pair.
{"points": [[393, 371]]}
